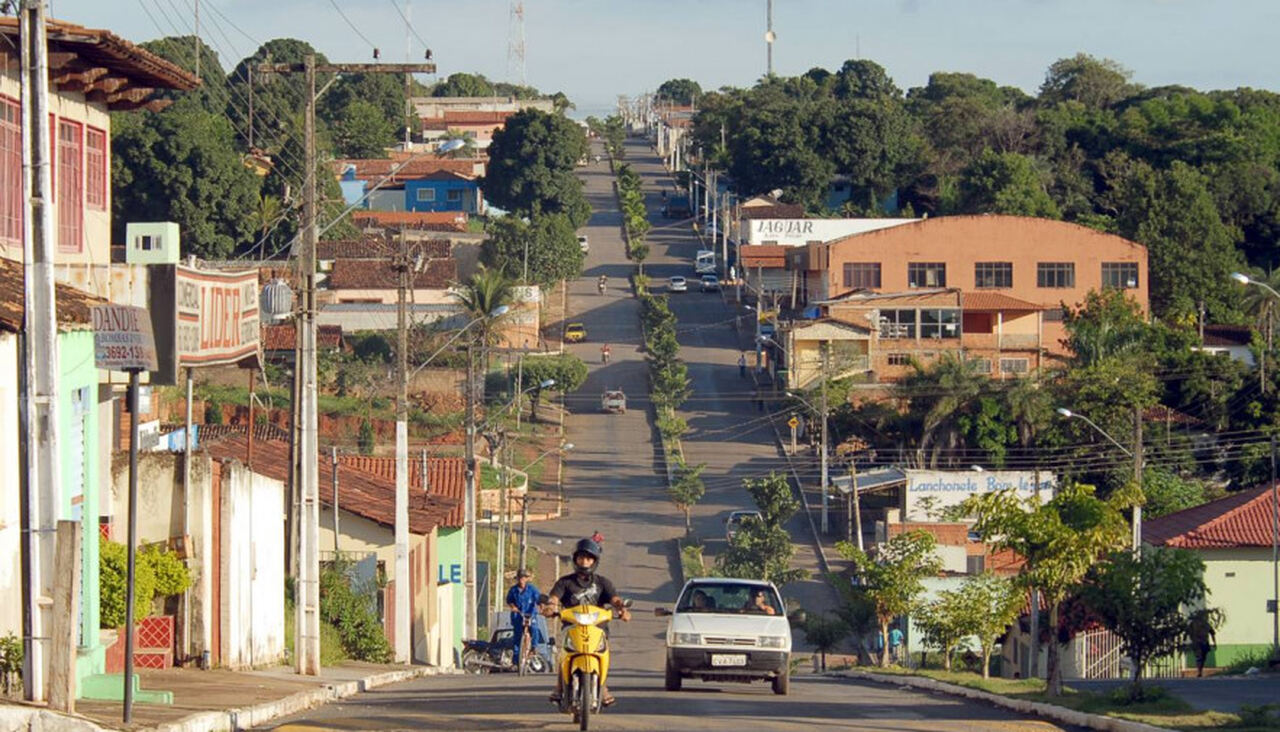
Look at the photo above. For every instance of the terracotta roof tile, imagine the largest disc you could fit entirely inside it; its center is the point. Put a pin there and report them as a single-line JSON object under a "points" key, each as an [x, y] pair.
{"points": [[447, 478], [426, 220], [381, 248], [375, 274], [1227, 335], [777, 211], [1239, 520], [996, 301], [215, 432], [284, 337], [73, 304], [413, 169], [361, 492]]}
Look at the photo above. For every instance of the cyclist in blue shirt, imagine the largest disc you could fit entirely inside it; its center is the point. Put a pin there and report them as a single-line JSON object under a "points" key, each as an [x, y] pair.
{"points": [[522, 598]]}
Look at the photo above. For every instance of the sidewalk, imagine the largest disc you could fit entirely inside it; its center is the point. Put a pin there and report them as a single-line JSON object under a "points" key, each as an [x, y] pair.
{"points": [[216, 700]]}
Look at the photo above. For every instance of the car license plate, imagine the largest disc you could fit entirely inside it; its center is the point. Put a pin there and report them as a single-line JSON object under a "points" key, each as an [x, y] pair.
{"points": [[728, 659]]}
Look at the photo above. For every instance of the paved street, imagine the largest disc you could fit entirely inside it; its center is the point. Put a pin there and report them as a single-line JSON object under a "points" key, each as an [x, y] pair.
{"points": [[613, 484]]}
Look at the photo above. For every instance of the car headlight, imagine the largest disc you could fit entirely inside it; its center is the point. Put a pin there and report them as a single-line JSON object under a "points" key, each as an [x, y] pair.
{"points": [[686, 639], [773, 641]]}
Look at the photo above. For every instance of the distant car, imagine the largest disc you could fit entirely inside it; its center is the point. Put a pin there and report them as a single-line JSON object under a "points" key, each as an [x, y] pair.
{"points": [[735, 521], [613, 401], [575, 332], [677, 284], [710, 283], [582, 244]]}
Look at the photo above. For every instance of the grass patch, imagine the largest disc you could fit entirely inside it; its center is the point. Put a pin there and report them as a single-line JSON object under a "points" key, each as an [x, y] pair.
{"points": [[1158, 708], [331, 652], [1260, 659]]}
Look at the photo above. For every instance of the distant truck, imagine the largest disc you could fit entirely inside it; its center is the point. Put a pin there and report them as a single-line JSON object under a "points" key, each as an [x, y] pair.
{"points": [[705, 262], [677, 208]]}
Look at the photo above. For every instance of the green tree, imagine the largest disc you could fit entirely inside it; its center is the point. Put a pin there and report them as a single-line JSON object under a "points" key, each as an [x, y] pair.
{"points": [[549, 242], [181, 165], [1166, 492], [1006, 183], [367, 438], [1108, 324], [1059, 540], [484, 292], [1146, 600], [679, 91], [1093, 82], [825, 633], [762, 548], [362, 130], [568, 371], [687, 489], [990, 604], [462, 84], [938, 396], [385, 92], [532, 162], [213, 92], [894, 578], [941, 624]]}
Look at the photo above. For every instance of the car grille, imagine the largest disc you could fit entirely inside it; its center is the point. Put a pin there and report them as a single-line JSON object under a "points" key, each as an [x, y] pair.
{"points": [[722, 640]]}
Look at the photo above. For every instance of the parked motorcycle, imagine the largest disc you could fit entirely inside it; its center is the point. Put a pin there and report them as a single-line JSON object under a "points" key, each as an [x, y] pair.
{"points": [[497, 655], [584, 661]]}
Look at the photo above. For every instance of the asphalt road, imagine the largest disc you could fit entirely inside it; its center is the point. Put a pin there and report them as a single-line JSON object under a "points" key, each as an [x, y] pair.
{"points": [[613, 484]]}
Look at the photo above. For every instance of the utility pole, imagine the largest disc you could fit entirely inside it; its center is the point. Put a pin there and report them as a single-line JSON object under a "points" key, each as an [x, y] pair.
{"points": [[854, 502], [469, 512], [306, 413], [1275, 557], [524, 529], [402, 627], [1137, 479], [825, 347], [500, 561], [333, 458], [39, 404]]}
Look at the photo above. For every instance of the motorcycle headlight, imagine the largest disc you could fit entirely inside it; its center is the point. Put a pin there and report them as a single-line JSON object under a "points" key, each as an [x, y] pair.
{"points": [[586, 618], [773, 641], [687, 639]]}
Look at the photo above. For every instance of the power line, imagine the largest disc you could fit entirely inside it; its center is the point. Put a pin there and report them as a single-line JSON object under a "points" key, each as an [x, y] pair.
{"points": [[352, 26]]}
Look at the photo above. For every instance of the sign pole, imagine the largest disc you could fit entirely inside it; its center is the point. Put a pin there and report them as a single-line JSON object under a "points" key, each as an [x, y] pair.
{"points": [[131, 546]]}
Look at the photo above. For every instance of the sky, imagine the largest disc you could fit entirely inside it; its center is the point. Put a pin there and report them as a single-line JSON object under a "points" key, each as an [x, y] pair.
{"points": [[596, 50]]}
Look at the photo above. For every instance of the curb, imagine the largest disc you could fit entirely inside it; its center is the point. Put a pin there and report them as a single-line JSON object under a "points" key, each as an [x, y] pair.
{"points": [[19, 718], [1039, 709]]}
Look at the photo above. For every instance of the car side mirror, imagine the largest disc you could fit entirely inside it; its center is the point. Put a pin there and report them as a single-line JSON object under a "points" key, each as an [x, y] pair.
{"points": [[627, 604], [661, 612], [799, 617]]}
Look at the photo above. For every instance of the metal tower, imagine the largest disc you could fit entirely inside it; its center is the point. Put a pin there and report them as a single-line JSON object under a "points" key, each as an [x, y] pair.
{"points": [[769, 35], [515, 43]]}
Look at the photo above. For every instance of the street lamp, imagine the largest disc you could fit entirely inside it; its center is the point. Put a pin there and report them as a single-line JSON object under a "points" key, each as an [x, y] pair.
{"points": [[1137, 464], [1245, 279]]}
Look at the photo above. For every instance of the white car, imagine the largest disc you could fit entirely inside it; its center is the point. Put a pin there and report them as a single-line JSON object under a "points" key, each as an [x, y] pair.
{"points": [[725, 629], [735, 521], [677, 284], [710, 283], [582, 243]]}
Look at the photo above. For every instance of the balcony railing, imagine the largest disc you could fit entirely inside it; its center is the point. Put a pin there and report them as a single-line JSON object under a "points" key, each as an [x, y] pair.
{"points": [[993, 341]]}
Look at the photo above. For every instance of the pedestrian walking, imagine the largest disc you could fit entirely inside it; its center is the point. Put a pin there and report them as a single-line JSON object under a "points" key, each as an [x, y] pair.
{"points": [[742, 365]]}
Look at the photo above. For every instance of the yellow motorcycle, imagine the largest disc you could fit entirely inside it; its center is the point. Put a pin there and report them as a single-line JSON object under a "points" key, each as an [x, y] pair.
{"points": [[584, 661]]}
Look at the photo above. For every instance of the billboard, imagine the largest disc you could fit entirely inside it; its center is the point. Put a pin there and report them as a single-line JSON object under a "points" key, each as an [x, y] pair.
{"points": [[930, 491], [122, 338], [203, 318]]}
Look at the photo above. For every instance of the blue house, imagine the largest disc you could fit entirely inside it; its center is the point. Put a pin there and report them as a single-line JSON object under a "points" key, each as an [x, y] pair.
{"points": [[444, 190]]}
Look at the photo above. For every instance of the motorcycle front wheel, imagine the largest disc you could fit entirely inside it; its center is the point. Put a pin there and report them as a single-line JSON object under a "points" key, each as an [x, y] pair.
{"points": [[473, 662], [586, 699]]}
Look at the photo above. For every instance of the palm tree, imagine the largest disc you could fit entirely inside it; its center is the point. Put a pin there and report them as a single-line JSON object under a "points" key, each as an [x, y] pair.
{"points": [[939, 394], [487, 291], [1261, 304], [1032, 407]]}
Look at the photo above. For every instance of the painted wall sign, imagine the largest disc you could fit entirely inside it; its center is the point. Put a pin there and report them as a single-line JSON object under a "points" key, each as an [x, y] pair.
{"points": [[929, 491]]}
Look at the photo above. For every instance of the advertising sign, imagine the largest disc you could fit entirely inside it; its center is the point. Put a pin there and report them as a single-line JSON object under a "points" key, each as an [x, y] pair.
{"points": [[204, 318], [122, 338], [930, 491]]}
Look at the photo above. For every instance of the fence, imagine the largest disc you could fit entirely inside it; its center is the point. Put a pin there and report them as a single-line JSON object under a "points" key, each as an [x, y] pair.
{"points": [[1096, 655]]}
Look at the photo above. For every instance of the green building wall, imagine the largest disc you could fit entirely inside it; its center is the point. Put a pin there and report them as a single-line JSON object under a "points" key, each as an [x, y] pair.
{"points": [[1240, 584], [452, 551]]}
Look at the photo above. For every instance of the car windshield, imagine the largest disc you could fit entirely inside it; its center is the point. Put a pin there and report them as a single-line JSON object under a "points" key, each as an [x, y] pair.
{"points": [[735, 598]]}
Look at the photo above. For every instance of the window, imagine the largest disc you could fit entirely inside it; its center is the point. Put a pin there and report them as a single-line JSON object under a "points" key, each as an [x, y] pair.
{"points": [[1054, 315], [146, 243], [899, 359], [935, 323], [10, 171], [1056, 274], [95, 168], [1120, 275], [1014, 366], [70, 186], [927, 274], [897, 324], [980, 365], [993, 274], [426, 194], [862, 274], [453, 194]]}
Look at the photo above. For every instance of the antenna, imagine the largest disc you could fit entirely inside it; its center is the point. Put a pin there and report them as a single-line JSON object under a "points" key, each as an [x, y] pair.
{"points": [[769, 35], [515, 43]]}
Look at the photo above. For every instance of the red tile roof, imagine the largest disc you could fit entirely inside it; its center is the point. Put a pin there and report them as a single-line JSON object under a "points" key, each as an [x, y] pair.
{"points": [[763, 255], [73, 304], [1227, 335], [284, 337], [413, 169], [1239, 520], [360, 492], [377, 274], [447, 478], [426, 220], [381, 248], [776, 211], [996, 301]]}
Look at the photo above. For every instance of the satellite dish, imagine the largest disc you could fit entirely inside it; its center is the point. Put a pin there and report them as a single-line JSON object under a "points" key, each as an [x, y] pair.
{"points": [[449, 146], [770, 36]]}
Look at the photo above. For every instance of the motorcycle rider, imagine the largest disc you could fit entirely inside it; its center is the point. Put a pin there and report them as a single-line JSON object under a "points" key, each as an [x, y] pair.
{"points": [[522, 598], [584, 586], [604, 353]]}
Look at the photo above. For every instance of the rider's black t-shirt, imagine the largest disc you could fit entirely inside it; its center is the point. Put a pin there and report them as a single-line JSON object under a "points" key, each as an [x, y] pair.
{"points": [[571, 591]]}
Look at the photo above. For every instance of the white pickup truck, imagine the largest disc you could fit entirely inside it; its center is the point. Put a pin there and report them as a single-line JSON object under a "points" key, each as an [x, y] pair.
{"points": [[724, 629]]}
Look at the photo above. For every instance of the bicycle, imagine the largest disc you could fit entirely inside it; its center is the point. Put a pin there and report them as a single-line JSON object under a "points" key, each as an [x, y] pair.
{"points": [[531, 661]]}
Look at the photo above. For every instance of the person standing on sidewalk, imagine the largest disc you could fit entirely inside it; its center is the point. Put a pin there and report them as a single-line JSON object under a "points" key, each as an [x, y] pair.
{"points": [[742, 365]]}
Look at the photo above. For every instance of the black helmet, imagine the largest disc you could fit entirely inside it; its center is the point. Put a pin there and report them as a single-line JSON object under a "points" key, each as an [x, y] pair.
{"points": [[590, 548]]}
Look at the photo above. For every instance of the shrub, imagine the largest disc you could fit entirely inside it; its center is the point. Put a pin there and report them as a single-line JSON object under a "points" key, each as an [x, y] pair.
{"points": [[353, 612], [158, 573], [10, 663]]}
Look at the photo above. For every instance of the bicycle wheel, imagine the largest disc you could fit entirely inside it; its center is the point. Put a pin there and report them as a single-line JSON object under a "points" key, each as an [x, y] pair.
{"points": [[526, 655]]}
